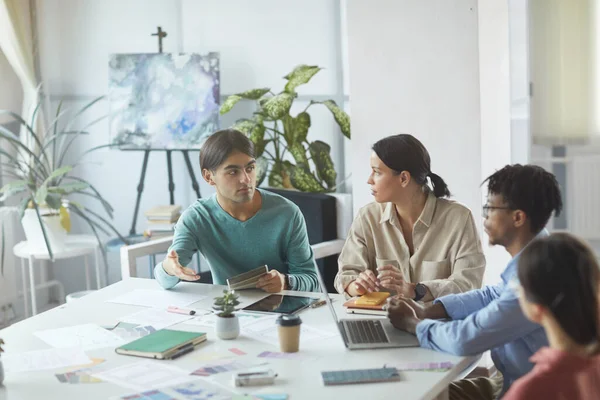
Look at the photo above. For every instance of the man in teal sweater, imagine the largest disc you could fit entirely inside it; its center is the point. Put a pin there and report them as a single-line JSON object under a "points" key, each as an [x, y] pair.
{"points": [[240, 227]]}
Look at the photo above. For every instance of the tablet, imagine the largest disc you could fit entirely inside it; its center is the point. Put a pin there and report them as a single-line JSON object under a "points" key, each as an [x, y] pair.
{"points": [[281, 304]]}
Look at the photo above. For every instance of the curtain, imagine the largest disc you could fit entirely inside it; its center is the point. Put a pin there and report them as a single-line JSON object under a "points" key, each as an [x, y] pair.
{"points": [[562, 59], [16, 42]]}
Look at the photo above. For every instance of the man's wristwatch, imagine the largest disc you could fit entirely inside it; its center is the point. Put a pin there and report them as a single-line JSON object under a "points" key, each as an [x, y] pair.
{"points": [[420, 291], [288, 284]]}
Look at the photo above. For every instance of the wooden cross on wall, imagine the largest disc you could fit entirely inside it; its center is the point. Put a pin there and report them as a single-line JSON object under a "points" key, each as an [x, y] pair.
{"points": [[161, 34]]}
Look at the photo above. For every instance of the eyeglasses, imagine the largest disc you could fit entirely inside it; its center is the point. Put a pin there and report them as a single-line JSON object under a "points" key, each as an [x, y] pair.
{"points": [[486, 210]]}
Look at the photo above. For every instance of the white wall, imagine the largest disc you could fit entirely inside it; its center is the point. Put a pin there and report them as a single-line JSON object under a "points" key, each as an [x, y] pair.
{"points": [[259, 41], [440, 71], [496, 136], [414, 68], [11, 93], [11, 97]]}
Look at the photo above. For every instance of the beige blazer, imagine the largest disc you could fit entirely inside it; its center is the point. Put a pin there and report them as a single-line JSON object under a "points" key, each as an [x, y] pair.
{"points": [[448, 257]]}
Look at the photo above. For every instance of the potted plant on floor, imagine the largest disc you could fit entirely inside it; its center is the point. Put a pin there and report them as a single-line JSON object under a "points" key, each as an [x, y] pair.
{"points": [[277, 134], [228, 325], [41, 178]]}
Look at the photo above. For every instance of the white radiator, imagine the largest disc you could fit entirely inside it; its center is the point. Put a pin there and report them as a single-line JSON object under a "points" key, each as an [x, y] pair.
{"points": [[583, 196], [9, 216]]}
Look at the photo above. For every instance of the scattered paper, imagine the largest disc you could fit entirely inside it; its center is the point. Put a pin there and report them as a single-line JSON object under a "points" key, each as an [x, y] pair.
{"points": [[285, 356], [213, 369], [87, 337], [135, 332], [44, 359], [424, 366], [144, 375], [265, 330], [158, 298], [197, 390], [210, 357], [244, 318], [155, 317]]}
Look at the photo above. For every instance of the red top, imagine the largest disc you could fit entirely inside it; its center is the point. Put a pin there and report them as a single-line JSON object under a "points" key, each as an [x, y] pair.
{"points": [[558, 375]]}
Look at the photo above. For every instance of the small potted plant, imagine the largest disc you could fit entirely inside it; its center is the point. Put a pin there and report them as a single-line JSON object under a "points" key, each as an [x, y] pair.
{"points": [[228, 326], [1, 369]]}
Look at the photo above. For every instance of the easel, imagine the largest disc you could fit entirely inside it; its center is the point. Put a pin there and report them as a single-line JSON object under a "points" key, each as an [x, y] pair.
{"points": [[161, 34]]}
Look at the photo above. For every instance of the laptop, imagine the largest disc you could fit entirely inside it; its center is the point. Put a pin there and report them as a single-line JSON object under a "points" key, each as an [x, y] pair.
{"points": [[368, 333]]}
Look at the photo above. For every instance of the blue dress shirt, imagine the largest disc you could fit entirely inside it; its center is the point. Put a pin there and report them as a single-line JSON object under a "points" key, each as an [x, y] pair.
{"points": [[487, 319]]}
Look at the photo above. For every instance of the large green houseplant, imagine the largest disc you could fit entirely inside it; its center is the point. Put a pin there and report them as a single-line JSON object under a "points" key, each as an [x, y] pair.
{"points": [[43, 181], [312, 169]]}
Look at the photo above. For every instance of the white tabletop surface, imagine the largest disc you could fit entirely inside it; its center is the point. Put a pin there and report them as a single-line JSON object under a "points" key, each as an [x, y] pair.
{"points": [[299, 379]]}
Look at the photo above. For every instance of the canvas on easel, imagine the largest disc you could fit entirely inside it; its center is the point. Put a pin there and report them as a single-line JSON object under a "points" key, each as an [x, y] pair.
{"points": [[163, 101]]}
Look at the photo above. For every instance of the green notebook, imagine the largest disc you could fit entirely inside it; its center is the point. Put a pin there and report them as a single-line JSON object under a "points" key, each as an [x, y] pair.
{"points": [[163, 344]]}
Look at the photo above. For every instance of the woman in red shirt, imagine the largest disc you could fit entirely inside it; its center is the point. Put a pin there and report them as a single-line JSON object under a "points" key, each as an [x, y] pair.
{"points": [[559, 278]]}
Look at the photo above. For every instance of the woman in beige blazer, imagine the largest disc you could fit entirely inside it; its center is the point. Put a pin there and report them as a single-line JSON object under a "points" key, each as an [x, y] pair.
{"points": [[412, 241]]}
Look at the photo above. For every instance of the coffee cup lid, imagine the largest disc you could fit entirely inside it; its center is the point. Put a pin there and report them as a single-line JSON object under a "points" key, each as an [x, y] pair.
{"points": [[289, 320]]}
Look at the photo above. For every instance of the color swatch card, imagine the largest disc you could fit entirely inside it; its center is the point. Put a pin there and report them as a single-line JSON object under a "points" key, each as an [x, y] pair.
{"points": [[196, 390], [81, 374], [218, 368]]}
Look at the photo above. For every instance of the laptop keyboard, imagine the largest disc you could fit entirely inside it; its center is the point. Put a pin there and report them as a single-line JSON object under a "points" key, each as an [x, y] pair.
{"points": [[366, 331]]}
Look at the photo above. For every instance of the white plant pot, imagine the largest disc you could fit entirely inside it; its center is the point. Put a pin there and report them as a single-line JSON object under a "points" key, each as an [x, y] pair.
{"points": [[35, 237], [227, 328]]}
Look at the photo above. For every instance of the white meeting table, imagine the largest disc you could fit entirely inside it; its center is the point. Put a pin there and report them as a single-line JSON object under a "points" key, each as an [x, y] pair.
{"points": [[300, 379]]}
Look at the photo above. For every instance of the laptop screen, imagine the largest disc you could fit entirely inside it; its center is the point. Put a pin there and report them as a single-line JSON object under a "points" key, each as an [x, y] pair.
{"points": [[327, 299]]}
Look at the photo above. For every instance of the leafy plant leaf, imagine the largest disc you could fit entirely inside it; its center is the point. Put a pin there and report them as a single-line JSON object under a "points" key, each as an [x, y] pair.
{"points": [[69, 188], [229, 103], [340, 116], [255, 130], [12, 192], [53, 201], [296, 129], [321, 156], [254, 94], [303, 179], [275, 175], [14, 185], [40, 194], [299, 76], [278, 106], [65, 218], [298, 151], [279, 177], [57, 173], [261, 170]]}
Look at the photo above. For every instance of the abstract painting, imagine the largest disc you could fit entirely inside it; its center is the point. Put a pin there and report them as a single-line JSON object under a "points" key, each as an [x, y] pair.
{"points": [[163, 101]]}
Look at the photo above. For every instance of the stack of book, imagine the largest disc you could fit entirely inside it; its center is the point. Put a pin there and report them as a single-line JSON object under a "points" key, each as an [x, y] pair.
{"points": [[161, 221]]}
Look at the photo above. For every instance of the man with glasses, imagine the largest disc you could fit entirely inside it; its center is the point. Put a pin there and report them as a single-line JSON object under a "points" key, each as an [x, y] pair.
{"points": [[521, 199]]}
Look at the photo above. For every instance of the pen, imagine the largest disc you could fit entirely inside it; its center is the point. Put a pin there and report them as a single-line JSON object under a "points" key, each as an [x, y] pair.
{"points": [[178, 310], [318, 304], [184, 350]]}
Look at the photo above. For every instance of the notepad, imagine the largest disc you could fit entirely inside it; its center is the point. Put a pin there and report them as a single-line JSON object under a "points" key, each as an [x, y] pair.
{"points": [[163, 344], [372, 299], [247, 280]]}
